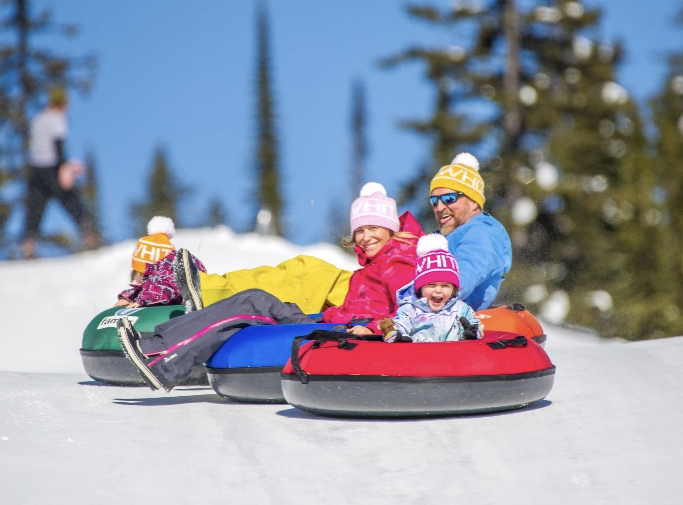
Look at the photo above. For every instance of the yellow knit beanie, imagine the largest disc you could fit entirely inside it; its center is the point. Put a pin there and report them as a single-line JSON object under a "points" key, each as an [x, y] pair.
{"points": [[461, 175], [57, 96]]}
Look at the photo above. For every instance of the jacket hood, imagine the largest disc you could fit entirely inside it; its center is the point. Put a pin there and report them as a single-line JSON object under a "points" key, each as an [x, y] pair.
{"points": [[410, 225], [407, 295]]}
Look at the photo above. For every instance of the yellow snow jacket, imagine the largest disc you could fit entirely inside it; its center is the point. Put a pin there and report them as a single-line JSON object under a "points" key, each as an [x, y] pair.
{"points": [[311, 283]]}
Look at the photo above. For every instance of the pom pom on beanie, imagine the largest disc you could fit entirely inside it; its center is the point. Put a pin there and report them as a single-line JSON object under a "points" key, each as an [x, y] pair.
{"points": [[371, 188], [466, 159], [431, 242], [156, 245], [161, 224]]}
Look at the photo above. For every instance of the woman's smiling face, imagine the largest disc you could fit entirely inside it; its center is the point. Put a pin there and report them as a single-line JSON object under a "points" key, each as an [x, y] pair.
{"points": [[437, 294], [371, 239]]}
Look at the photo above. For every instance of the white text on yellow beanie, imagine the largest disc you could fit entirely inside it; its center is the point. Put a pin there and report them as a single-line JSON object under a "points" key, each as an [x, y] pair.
{"points": [[461, 175]]}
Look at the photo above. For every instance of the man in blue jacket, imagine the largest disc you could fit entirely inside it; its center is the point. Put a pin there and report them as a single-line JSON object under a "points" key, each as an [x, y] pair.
{"points": [[478, 241]]}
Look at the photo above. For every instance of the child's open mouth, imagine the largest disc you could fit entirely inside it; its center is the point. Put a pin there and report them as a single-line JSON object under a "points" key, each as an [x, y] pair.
{"points": [[436, 301]]}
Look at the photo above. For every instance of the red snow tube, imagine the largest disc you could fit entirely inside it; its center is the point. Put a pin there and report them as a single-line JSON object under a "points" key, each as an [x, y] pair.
{"points": [[347, 377]]}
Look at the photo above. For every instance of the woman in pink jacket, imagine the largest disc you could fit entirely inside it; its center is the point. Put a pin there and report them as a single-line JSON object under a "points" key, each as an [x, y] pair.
{"points": [[385, 247]]}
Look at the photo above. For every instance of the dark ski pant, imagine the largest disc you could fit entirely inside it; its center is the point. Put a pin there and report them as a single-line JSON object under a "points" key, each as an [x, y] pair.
{"points": [[187, 341], [42, 185]]}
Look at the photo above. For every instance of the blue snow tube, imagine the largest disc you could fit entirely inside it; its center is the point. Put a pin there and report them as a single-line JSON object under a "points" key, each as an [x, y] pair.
{"points": [[247, 367]]}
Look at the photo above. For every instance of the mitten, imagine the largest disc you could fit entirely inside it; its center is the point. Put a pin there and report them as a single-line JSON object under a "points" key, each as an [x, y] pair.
{"points": [[402, 338], [470, 330]]}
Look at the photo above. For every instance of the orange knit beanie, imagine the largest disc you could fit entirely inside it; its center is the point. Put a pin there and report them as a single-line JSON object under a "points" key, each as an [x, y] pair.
{"points": [[156, 245]]}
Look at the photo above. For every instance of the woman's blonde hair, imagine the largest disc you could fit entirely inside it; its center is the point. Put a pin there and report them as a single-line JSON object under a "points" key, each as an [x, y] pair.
{"points": [[399, 236]]}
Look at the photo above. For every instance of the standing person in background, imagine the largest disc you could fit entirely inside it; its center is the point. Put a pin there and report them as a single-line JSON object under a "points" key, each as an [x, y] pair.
{"points": [[50, 175], [478, 241]]}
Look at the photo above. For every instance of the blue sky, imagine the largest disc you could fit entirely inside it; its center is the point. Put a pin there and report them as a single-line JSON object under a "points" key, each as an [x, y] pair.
{"points": [[180, 74]]}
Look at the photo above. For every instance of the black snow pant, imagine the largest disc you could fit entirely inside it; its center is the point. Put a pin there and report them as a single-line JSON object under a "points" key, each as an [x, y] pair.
{"points": [[43, 184], [187, 341]]}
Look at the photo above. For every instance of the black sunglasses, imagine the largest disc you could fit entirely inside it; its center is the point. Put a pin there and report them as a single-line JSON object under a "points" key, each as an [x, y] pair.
{"points": [[447, 199]]}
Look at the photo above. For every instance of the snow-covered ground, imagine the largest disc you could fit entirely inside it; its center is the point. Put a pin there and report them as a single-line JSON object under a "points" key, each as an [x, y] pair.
{"points": [[608, 433]]}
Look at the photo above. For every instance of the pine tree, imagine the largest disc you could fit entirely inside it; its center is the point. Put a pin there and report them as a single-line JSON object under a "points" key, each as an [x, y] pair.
{"points": [[91, 194], [534, 90], [215, 215], [5, 207], [338, 226], [358, 132], [164, 195], [563, 106], [267, 156], [641, 284], [450, 128], [667, 113], [595, 224], [27, 72]]}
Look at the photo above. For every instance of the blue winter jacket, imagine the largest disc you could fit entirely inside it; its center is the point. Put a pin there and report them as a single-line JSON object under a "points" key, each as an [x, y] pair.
{"points": [[484, 254], [416, 319]]}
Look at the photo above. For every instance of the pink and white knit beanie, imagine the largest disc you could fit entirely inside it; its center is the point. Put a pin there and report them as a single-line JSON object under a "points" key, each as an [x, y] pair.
{"points": [[374, 208], [435, 263]]}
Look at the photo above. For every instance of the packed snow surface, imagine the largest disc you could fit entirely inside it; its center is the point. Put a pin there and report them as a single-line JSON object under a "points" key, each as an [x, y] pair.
{"points": [[608, 433]]}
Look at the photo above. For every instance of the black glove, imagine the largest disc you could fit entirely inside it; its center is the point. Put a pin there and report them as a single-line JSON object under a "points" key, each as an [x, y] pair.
{"points": [[402, 338], [470, 332]]}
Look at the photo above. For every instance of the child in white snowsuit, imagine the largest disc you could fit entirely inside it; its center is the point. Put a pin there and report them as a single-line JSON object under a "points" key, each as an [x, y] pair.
{"points": [[429, 310]]}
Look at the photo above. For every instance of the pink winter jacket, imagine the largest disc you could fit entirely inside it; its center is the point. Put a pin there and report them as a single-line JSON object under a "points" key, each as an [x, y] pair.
{"points": [[158, 285], [372, 289]]}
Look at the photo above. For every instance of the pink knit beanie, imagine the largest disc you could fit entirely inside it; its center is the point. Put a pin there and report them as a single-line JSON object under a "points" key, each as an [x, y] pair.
{"points": [[435, 263], [374, 208]]}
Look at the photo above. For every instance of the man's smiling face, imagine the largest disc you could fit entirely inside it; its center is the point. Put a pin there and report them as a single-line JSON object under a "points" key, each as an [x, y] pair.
{"points": [[449, 217]]}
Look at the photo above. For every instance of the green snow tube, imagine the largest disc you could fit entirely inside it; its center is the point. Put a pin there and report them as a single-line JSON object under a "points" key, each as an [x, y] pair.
{"points": [[101, 353]]}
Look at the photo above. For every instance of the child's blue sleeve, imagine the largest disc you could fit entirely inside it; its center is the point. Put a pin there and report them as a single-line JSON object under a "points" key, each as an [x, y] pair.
{"points": [[403, 320]]}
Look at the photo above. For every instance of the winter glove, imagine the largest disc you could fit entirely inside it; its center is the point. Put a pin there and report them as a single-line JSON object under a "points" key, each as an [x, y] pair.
{"points": [[470, 330], [402, 338]]}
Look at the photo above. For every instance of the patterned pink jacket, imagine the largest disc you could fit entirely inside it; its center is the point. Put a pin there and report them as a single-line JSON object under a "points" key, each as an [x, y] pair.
{"points": [[372, 289], [158, 285]]}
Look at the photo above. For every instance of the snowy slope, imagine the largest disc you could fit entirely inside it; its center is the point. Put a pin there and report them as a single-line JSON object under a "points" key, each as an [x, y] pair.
{"points": [[608, 433]]}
